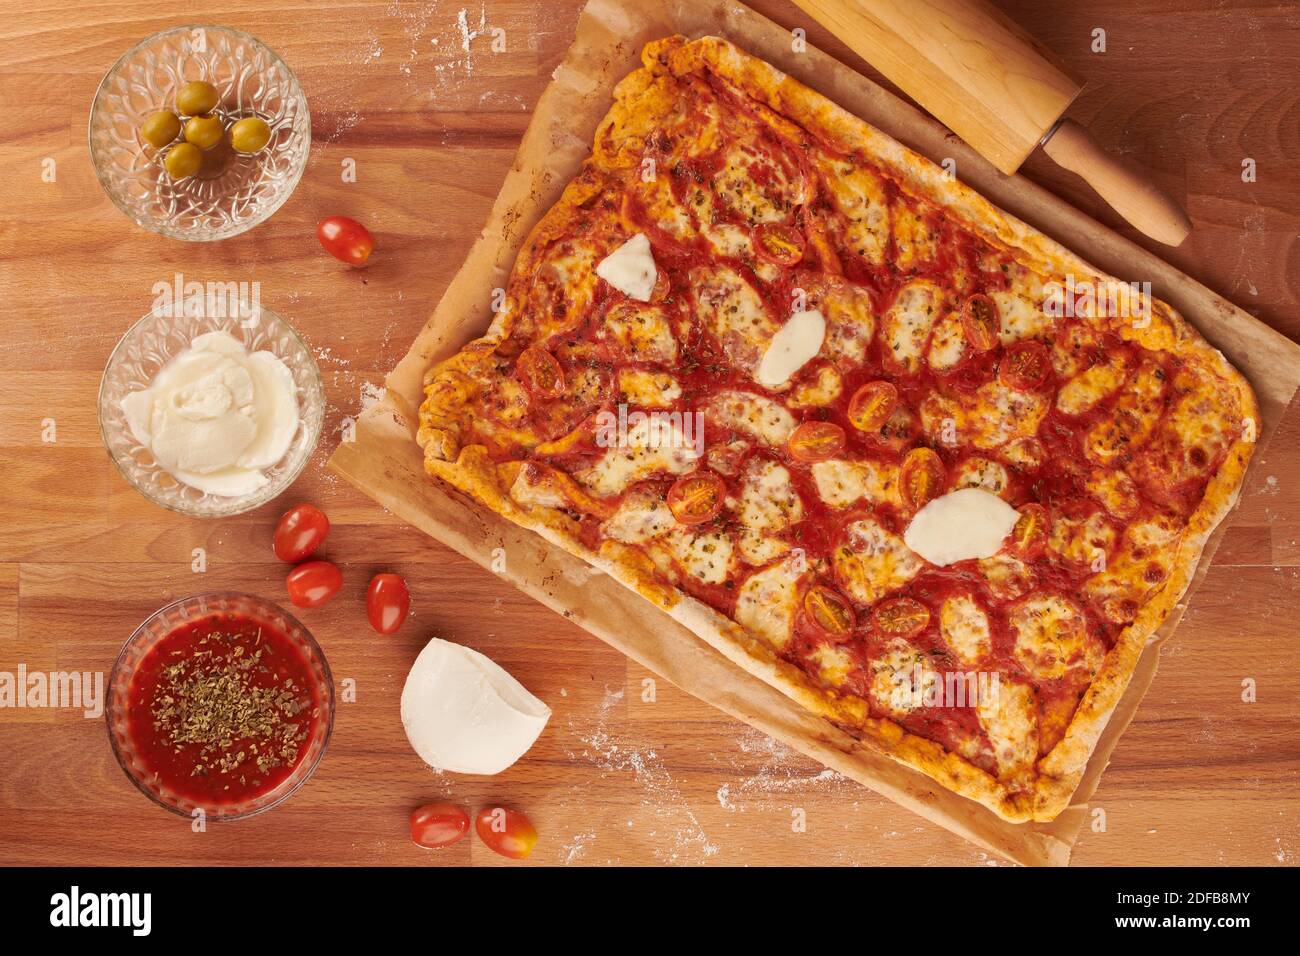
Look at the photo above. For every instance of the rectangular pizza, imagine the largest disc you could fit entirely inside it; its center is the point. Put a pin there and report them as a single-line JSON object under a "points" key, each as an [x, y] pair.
{"points": [[878, 442]]}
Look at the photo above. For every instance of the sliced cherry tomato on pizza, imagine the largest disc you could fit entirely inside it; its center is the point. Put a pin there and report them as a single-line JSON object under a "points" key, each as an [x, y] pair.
{"points": [[540, 372], [299, 532], [779, 244], [313, 583], [829, 612], [506, 831], [871, 406], [922, 477], [900, 617], [816, 441], [387, 602], [1025, 365], [662, 287], [1029, 536], [696, 498], [980, 322], [438, 824]]}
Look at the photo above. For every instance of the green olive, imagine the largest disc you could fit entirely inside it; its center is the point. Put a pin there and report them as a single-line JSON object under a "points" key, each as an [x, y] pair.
{"points": [[183, 160], [203, 131], [160, 128], [250, 134], [196, 98]]}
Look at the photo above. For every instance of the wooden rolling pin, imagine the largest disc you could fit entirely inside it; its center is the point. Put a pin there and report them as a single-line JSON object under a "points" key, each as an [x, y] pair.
{"points": [[994, 86]]}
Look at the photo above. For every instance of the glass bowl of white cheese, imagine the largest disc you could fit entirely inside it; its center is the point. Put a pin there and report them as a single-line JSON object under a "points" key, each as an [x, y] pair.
{"points": [[210, 407]]}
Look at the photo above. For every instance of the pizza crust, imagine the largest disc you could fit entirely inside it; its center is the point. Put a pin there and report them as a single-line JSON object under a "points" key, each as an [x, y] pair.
{"points": [[640, 99]]}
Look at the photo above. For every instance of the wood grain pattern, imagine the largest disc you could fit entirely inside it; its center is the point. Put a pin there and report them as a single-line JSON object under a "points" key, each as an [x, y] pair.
{"points": [[1200, 777]]}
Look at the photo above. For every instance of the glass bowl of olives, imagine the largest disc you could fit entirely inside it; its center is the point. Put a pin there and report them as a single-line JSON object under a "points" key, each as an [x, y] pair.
{"points": [[199, 132]]}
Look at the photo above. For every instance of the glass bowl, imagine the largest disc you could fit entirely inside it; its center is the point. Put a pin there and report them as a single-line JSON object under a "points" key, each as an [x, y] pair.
{"points": [[158, 338], [163, 622], [220, 202]]}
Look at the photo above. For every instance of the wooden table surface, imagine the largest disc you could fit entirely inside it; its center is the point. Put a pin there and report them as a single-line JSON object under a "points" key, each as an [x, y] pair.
{"points": [[431, 116]]}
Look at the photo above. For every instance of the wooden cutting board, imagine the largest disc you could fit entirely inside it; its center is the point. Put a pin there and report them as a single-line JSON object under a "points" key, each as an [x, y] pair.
{"points": [[1200, 777]]}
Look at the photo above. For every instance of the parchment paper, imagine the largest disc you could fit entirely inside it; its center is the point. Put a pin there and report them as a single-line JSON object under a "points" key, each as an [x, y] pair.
{"points": [[385, 462]]}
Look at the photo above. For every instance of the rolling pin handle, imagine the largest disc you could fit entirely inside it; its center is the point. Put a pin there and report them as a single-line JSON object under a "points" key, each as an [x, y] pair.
{"points": [[1128, 192]]}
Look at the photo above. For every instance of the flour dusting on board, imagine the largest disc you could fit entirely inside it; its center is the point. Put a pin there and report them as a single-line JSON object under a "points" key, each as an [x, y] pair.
{"points": [[676, 834]]}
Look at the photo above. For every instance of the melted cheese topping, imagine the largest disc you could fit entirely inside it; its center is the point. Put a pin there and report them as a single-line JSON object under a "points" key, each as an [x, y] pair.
{"points": [[908, 322], [841, 483], [873, 562], [653, 446], [755, 415], [631, 268], [965, 627], [768, 599], [646, 388], [795, 345]]}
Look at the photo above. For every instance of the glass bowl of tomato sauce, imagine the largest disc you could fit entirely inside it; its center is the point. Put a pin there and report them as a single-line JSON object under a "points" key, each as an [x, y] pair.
{"points": [[221, 702]]}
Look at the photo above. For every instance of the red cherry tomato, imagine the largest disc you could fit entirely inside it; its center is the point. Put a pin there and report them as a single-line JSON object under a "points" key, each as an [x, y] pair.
{"points": [[901, 617], [438, 824], [299, 532], [980, 322], [313, 583], [779, 244], [696, 498], [1029, 536], [540, 372], [505, 831], [829, 612], [871, 406], [1025, 366], [921, 477], [816, 441], [345, 239], [387, 601]]}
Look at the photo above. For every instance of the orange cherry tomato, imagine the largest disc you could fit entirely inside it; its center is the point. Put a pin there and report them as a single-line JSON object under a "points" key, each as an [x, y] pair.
{"points": [[387, 602], [980, 322], [871, 406], [816, 441], [299, 532], [779, 244], [345, 239], [506, 831], [1029, 536], [921, 477], [1025, 365], [901, 617], [829, 612], [436, 825], [313, 583], [696, 498], [540, 372]]}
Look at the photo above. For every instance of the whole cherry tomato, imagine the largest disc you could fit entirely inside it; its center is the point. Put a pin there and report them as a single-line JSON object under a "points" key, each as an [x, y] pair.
{"points": [[299, 532], [506, 831], [313, 583], [438, 824], [345, 239], [387, 601]]}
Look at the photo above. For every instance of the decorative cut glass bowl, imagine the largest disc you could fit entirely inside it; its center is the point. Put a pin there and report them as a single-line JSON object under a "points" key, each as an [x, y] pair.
{"points": [[158, 626], [219, 201], [158, 338]]}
